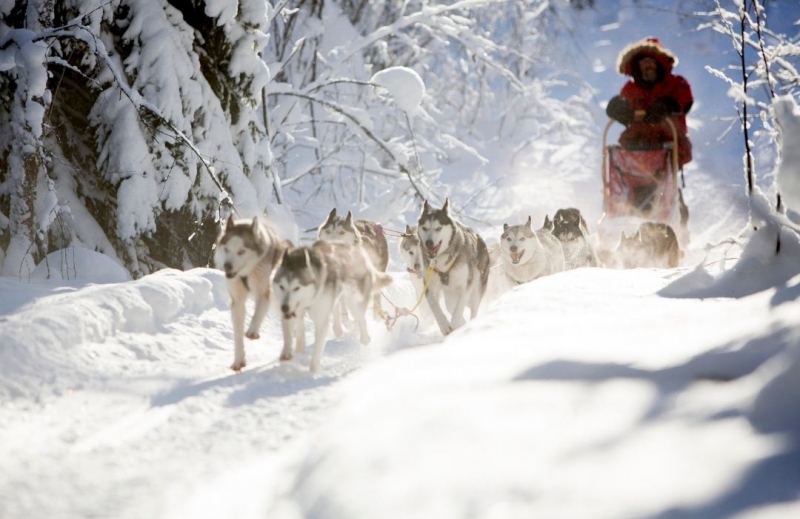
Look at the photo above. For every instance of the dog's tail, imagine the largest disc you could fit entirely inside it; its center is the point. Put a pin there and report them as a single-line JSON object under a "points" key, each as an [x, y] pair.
{"points": [[381, 280]]}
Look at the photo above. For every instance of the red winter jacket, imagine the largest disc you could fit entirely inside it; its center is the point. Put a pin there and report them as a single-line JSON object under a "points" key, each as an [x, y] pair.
{"points": [[640, 97]]}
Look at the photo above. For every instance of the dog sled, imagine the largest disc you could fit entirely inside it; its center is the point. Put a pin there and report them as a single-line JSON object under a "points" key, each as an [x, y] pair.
{"points": [[641, 184]]}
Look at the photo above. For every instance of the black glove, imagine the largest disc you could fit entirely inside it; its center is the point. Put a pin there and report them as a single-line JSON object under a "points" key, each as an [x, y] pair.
{"points": [[619, 110], [661, 108]]}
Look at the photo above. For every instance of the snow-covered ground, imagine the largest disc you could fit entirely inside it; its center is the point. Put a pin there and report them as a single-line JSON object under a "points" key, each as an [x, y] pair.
{"points": [[591, 393]]}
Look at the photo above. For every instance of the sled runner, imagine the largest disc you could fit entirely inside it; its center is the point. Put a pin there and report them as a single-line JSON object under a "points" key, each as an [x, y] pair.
{"points": [[642, 184]]}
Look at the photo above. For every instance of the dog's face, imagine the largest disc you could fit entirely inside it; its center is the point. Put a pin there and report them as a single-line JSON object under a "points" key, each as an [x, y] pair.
{"points": [[631, 251], [239, 247], [568, 225], [295, 282], [337, 228], [435, 229], [518, 242], [410, 251]]}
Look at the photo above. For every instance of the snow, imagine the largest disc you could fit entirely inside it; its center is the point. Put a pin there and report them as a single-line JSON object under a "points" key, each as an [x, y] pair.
{"points": [[590, 393], [404, 85], [787, 114], [593, 393]]}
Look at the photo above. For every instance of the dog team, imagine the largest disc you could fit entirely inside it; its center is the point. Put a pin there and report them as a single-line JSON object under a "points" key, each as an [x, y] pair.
{"points": [[338, 276]]}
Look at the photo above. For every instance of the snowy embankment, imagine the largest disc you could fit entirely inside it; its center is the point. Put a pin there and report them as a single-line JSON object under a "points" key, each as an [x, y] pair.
{"points": [[592, 393]]}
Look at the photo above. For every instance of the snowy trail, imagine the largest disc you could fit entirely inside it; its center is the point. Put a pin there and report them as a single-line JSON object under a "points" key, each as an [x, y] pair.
{"points": [[129, 415], [116, 401]]}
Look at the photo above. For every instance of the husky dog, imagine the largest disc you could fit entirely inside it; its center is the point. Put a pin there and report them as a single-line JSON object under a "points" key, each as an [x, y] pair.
{"points": [[311, 280], [528, 254], [364, 232], [248, 251], [411, 252], [461, 261], [654, 245], [571, 230], [358, 232]]}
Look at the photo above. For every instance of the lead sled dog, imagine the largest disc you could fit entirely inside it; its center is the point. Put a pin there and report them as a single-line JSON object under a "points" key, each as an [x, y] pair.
{"points": [[248, 251], [457, 261], [313, 280]]}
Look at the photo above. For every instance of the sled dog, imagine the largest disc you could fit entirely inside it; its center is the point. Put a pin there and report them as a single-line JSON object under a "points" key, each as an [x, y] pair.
{"points": [[411, 254], [459, 260], [410, 251], [312, 280], [364, 232], [653, 246], [248, 251], [528, 254], [569, 226], [361, 232]]}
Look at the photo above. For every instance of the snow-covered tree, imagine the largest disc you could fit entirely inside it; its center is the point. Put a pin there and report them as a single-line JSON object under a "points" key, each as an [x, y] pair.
{"points": [[767, 68], [129, 126]]}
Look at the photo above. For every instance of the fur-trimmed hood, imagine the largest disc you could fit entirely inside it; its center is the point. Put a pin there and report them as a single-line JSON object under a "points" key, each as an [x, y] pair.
{"points": [[647, 47]]}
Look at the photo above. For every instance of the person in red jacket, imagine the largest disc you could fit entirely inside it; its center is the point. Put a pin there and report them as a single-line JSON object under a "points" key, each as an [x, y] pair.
{"points": [[653, 94]]}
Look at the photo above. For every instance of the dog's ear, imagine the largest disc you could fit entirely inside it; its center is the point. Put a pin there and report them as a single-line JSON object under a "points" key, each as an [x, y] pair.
{"points": [[409, 230], [548, 223], [349, 218], [330, 217], [529, 223], [446, 206], [426, 207], [229, 221], [505, 227], [308, 257], [254, 226]]}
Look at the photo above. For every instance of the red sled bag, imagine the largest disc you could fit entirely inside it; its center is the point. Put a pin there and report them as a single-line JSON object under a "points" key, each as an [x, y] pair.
{"points": [[640, 183]]}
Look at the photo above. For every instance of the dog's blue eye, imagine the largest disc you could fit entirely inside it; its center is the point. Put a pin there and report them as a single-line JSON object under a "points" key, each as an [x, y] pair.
{"points": [[522, 239], [240, 253], [295, 289], [439, 228]]}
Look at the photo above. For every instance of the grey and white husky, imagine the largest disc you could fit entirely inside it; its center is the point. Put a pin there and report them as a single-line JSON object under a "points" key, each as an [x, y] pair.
{"points": [[569, 226], [528, 254], [312, 280], [365, 233], [460, 263], [248, 251]]}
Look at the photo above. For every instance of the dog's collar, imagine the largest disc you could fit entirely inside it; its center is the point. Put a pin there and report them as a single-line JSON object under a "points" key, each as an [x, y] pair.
{"points": [[443, 271]]}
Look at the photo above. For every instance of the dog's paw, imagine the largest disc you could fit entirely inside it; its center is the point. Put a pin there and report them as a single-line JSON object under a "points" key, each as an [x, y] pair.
{"points": [[238, 365], [252, 335], [285, 356]]}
